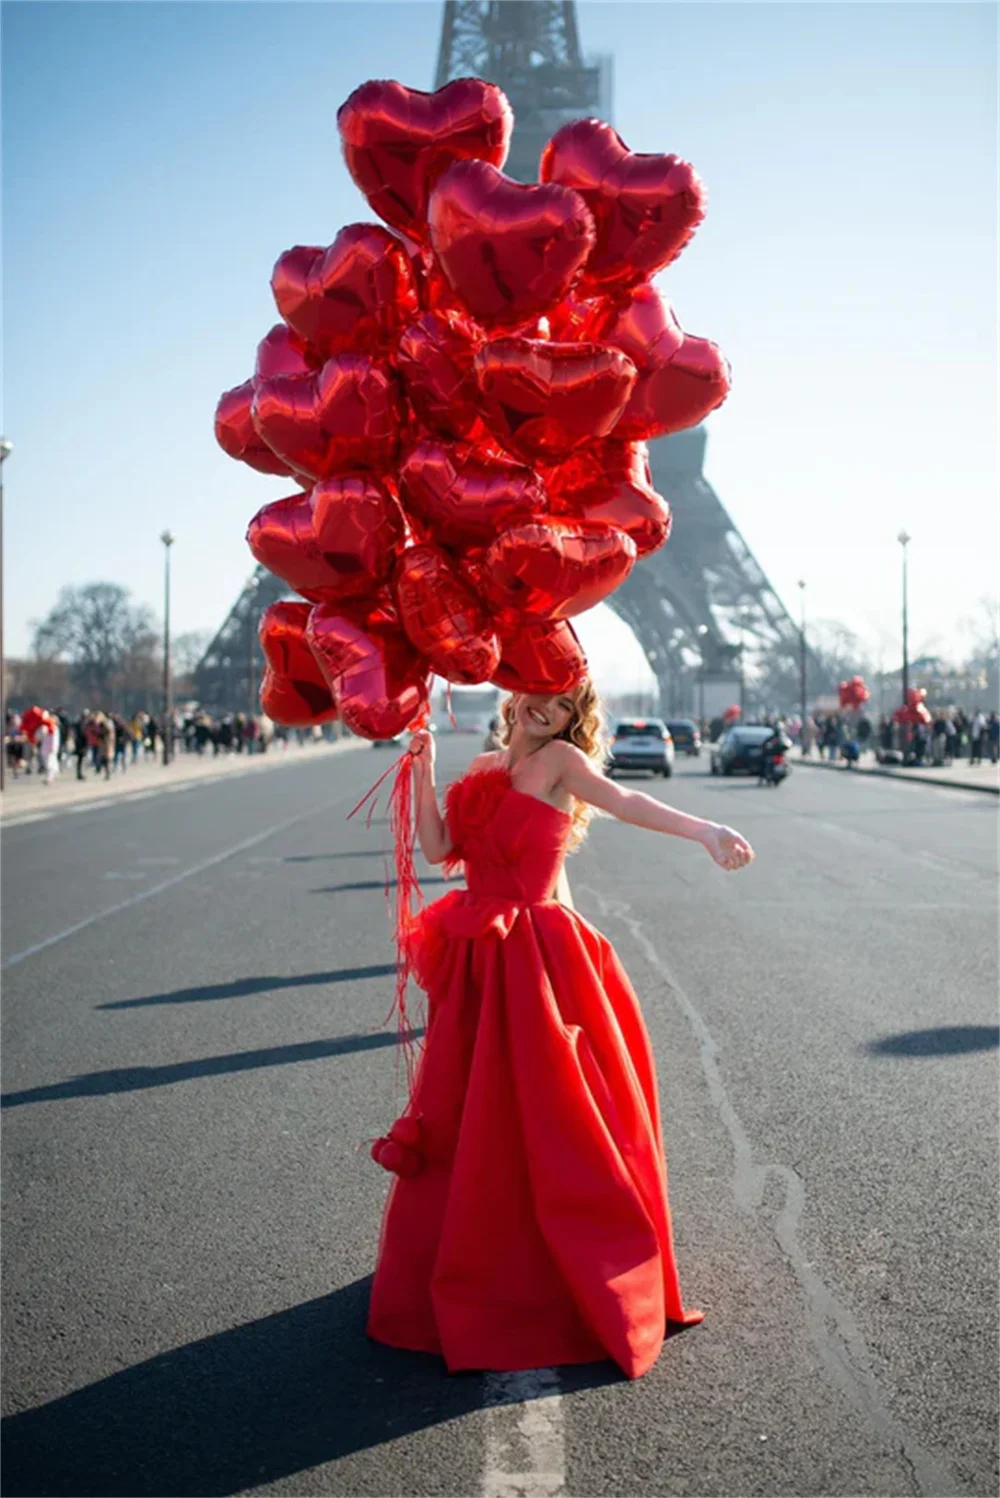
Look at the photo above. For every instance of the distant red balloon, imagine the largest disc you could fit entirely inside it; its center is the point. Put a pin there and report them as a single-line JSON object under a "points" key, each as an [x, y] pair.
{"points": [[398, 140], [351, 297], [731, 714], [380, 682], [463, 495], [541, 658], [444, 618], [609, 483], [435, 361], [345, 417], [282, 352], [543, 399], [646, 207], [557, 568], [510, 252], [237, 435], [341, 540], [681, 378], [293, 691]]}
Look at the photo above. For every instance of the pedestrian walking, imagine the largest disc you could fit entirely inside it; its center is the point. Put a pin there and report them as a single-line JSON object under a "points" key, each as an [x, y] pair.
{"points": [[993, 737], [48, 749], [977, 736]]}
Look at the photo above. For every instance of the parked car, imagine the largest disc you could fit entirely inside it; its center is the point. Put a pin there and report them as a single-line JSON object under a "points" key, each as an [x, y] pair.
{"points": [[642, 744], [738, 751], [686, 736]]}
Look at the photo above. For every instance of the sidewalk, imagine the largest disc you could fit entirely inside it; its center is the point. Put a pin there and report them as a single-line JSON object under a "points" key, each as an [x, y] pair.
{"points": [[29, 799], [959, 775]]}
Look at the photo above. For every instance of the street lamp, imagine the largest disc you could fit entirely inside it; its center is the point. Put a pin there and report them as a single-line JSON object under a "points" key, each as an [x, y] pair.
{"points": [[6, 448], [802, 649], [904, 541], [702, 632], [168, 539]]}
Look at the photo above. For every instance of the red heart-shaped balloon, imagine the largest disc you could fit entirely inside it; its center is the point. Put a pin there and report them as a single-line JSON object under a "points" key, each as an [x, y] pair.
{"points": [[341, 540], [373, 672], [609, 483], [557, 568], [350, 297], [345, 417], [541, 400], [282, 352], [541, 658], [237, 435], [435, 361], [397, 141], [293, 691], [463, 495], [645, 207], [444, 618], [510, 252], [681, 378]]}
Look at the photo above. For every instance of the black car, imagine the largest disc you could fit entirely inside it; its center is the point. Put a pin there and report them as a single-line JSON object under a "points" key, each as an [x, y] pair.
{"points": [[739, 750], [685, 734]]}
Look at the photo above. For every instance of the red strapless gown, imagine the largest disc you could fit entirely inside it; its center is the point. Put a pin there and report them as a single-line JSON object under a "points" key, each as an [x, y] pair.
{"points": [[537, 1230]]}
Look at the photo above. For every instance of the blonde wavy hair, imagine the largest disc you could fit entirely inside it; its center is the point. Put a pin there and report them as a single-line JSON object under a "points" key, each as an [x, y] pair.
{"points": [[586, 729]]}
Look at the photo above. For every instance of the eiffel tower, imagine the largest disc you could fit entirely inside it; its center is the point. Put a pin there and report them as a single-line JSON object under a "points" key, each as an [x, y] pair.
{"points": [[701, 608]]}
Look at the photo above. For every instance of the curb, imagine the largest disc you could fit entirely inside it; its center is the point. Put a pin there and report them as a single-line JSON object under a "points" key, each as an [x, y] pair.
{"points": [[951, 785], [257, 764]]}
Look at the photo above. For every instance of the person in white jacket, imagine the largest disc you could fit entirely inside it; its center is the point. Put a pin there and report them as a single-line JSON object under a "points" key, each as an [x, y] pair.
{"points": [[47, 739]]}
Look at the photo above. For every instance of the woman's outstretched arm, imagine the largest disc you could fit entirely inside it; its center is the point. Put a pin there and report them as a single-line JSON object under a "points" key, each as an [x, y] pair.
{"points": [[578, 775], [432, 834]]}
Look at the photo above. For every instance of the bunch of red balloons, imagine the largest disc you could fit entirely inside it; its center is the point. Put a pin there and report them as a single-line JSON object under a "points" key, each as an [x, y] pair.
{"points": [[33, 718], [464, 399], [915, 710], [853, 693], [732, 715]]}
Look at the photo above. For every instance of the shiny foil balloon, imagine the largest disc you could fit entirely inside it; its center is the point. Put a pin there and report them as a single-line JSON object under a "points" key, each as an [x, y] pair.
{"points": [[510, 252], [681, 378], [609, 483], [379, 681], [540, 658], [398, 140], [293, 691], [282, 352], [444, 618], [463, 495], [541, 399], [435, 362], [237, 435], [341, 540], [352, 297], [557, 568], [645, 207], [345, 417]]}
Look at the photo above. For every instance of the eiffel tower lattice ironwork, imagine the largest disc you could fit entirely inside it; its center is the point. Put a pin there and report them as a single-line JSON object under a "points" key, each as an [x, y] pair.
{"points": [[702, 605]]}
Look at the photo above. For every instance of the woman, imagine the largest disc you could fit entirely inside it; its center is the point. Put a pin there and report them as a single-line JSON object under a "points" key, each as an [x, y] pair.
{"points": [[529, 1224]]}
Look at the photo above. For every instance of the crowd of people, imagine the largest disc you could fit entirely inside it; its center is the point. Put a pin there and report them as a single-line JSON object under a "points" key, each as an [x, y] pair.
{"points": [[951, 735], [104, 743]]}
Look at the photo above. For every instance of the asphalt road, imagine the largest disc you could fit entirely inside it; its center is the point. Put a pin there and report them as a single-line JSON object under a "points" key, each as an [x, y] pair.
{"points": [[193, 1061]]}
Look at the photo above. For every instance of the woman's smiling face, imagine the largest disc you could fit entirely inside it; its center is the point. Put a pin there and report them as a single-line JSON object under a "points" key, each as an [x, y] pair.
{"points": [[542, 718]]}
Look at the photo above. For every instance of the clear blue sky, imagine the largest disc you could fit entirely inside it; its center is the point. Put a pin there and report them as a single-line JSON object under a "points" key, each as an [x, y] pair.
{"points": [[158, 157]]}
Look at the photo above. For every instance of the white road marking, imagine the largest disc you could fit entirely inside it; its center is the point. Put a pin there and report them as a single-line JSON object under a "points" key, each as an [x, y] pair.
{"points": [[525, 1435], [134, 874], [156, 889]]}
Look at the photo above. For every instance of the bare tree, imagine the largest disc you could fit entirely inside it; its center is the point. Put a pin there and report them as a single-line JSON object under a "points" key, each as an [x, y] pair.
{"points": [[108, 642]]}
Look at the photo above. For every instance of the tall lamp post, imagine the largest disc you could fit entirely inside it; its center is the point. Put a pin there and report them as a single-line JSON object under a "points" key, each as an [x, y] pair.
{"points": [[802, 650], [904, 541], [168, 539], [702, 632], [6, 448]]}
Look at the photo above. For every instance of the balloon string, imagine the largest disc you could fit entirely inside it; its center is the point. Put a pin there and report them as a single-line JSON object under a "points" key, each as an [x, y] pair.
{"points": [[451, 711], [409, 898]]}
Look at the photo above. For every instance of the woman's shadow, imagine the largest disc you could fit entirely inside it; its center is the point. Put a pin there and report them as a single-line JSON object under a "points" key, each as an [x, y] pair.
{"points": [[236, 1410]]}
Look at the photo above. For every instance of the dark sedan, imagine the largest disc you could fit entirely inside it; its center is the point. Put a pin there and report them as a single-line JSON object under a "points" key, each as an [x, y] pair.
{"points": [[685, 734], [739, 751]]}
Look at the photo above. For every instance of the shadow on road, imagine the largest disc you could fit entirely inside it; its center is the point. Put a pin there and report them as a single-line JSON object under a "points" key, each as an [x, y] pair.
{"points": [[138, 1078], [240, 988], [348, 853], [336, 889], [237, 1410], [944, 1040]]}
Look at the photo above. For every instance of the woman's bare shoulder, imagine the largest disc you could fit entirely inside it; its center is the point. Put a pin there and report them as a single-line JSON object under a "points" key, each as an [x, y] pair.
{"points": [[490, 759]]}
